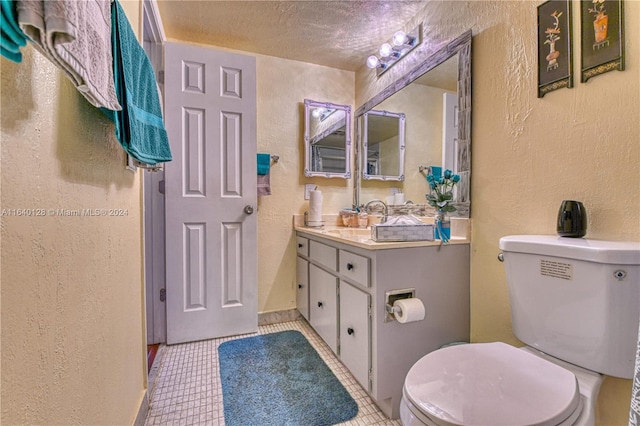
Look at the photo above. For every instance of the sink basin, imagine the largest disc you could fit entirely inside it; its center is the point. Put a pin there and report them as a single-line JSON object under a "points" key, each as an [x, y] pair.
{"points": [[348, 232]]}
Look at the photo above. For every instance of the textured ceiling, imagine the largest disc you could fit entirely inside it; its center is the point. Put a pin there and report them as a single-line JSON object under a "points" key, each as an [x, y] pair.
{"points": [[338, 34]]}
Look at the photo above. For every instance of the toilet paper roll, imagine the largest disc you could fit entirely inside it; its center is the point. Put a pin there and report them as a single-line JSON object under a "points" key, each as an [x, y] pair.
{"points": [[409, 310], [315, 208]]}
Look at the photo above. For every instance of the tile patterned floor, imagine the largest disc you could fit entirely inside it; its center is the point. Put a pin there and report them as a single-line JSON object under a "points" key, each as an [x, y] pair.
{"points": [[186, 387]]}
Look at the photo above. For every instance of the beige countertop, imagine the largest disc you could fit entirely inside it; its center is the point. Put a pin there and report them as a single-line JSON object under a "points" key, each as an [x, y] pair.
{"points": [[361, 237]]}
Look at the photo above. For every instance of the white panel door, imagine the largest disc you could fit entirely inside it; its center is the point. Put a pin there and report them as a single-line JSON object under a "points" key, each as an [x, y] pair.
{"points": [[211, 242], [450, 134], [449, 130]]}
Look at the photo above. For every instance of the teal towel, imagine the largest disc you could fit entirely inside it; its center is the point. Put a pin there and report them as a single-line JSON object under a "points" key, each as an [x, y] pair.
{"points": [[139, 126], [11, 36], [264, 162]]}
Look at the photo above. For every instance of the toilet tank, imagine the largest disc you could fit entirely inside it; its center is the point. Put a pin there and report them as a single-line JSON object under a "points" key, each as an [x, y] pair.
{"points": [[576, 299]]}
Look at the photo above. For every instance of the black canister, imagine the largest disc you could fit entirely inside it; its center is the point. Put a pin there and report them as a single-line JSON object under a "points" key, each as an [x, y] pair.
{"points": [[572, 219]]}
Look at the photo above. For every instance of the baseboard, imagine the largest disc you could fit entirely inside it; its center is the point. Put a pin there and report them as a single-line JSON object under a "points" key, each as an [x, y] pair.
{"points": [[143, 410], [276, 317]]}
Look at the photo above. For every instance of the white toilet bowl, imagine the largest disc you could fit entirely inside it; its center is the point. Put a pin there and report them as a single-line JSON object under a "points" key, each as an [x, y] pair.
{"points": [[574, 298], [497, 384]]}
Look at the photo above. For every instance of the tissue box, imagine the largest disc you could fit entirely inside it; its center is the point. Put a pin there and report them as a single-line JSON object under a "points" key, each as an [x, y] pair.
{"points": [[408, 232]]}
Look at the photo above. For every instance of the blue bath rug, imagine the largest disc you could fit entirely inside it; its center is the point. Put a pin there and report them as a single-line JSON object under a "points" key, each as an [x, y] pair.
{"points": [[279, 379]]}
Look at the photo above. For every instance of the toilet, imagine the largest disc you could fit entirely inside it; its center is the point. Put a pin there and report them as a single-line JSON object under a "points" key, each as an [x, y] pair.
{"points": [[575, 304]]}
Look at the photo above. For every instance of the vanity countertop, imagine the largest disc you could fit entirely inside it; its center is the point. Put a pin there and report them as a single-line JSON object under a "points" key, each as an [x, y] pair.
{"points": [[361, 237]]}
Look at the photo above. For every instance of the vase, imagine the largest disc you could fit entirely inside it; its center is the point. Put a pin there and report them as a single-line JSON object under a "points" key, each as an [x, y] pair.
{"points": [[552, 57], [443, 226], [572, 219], [600, 26]]}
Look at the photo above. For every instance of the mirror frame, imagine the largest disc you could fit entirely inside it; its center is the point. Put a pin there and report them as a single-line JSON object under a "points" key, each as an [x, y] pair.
{"points": [[308, 172], [460, 46], [365, 144]]}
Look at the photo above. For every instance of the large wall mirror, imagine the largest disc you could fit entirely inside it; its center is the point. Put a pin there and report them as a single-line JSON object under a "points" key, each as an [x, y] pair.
{"points": [[327, 139], [435, 97], [382, 145]]}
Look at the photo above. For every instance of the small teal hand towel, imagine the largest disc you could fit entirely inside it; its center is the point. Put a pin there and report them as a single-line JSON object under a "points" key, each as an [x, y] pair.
{"points": [[139, 125], [11, 36], [264, 162]]}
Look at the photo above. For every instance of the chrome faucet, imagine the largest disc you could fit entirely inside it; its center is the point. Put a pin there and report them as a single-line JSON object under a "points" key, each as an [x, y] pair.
{"points": [[386, 208]]}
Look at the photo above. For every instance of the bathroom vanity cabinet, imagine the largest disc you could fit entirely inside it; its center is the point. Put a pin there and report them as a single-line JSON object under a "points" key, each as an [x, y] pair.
{"points": [[342, 291]]}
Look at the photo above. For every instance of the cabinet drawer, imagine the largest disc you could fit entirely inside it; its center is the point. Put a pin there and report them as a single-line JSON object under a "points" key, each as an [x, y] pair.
{"points": [[355, 267], [302, 246], [323, 254]]}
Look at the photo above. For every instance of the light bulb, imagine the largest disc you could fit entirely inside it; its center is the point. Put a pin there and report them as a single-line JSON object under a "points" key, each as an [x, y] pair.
{"points": [[385, 50], [399, 38], [372, 61]]}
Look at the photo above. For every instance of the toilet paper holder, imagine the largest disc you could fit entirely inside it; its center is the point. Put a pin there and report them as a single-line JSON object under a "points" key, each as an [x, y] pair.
{"points": [[391, 296]]}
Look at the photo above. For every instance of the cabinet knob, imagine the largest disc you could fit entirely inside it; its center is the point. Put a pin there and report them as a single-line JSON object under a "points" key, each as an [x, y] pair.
{"points": [[350, 331], [299, 285], [319, 304], [300, 245], [349, 266]]}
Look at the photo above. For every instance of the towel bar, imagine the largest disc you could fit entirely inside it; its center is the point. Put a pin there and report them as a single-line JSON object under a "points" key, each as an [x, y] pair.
{"points": [[147, 167]]}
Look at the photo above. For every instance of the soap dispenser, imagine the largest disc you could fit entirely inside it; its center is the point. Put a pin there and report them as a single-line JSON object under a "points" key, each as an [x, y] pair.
{"points": [[572, 219]]}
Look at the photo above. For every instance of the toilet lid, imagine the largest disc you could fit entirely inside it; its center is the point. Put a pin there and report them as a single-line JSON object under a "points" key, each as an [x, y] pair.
{"points": [[491, 384]]}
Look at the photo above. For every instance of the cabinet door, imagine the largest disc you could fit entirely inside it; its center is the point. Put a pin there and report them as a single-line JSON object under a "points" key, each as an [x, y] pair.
{"points": [[302, 287], [323, 305], [355, 332]]}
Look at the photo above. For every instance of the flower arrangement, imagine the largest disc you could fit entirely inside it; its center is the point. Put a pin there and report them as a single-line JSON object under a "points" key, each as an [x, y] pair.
{"points": [[598, 9], [553, 35], [440, 195]]}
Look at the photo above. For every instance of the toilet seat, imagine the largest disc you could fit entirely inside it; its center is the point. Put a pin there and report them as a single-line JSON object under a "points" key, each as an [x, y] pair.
{"points": [[490, 384]]}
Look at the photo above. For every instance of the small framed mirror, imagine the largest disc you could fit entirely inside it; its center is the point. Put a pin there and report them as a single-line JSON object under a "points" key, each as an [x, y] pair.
{"points": [[383, 145], [327, 139]]}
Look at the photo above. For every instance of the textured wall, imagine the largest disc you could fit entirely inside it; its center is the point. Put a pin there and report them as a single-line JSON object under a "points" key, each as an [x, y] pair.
{"points": [[72, 328], [529, 154], [282, 87]]}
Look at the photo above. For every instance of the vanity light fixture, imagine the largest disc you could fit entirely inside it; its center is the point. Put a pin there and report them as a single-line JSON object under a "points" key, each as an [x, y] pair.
{"points": [[400, 45], [322, 113]]}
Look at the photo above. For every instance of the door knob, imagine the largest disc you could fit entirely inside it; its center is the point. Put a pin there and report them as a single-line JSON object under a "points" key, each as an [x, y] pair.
{"points": [[248, 209]]}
